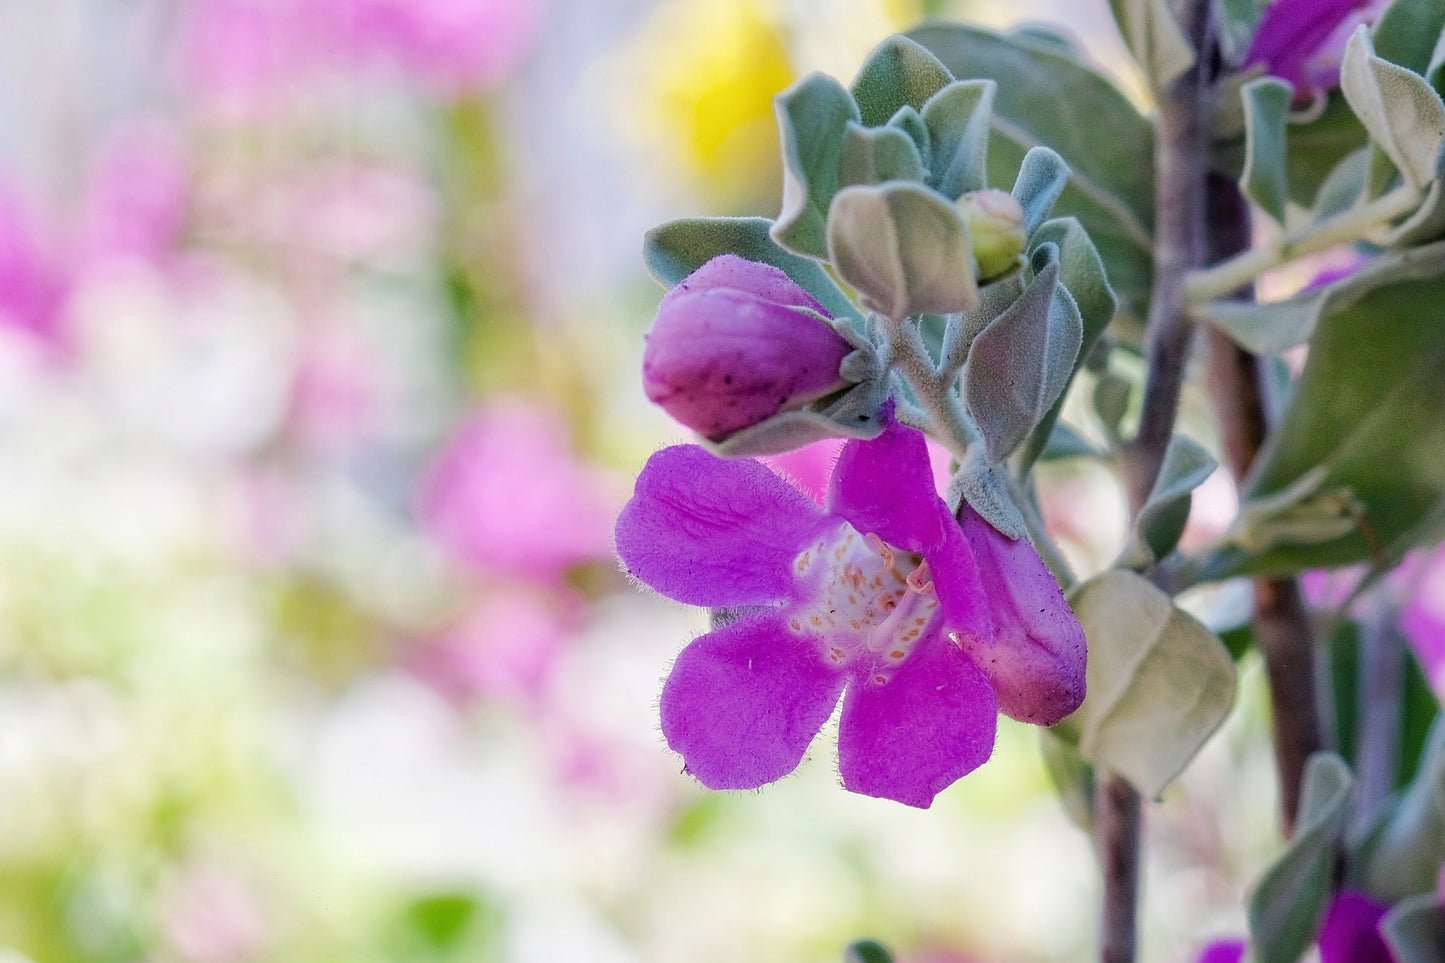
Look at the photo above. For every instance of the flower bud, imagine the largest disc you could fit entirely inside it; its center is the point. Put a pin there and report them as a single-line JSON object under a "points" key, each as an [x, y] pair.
{"points": [[735, 344], [996, 226], [1036, 654]]}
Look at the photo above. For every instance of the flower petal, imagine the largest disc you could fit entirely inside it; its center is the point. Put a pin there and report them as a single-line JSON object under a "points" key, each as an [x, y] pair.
{"points": [[912, 737], [728, 271], [1036, 655], [1350, 933], [1223, 951], [714, 531], [885, 486], [743, 702]]}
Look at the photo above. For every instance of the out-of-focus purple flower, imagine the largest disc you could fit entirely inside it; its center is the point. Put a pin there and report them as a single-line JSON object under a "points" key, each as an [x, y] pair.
{"points": [[136, 202], [1303, 41], [335, 393], [1423, 621], [1350, 934], [450, 46], [866, 599], [32, 282], [243, 57], [504, 645], [507, 495], [730, 348]]}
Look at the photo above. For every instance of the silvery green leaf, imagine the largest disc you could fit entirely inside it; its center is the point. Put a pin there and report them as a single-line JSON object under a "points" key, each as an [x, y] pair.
{"points": [[1403, 853], [1408, 33], [910, 121], [1237, 22], [1414, 929], [1019, 365], [1042, 94], [1159, 682], [1111, 402], [1161, 521], [897, 73], [1042, 177], [812, 116], [1288, 903], [871, 155], [1267, 328], [1426, 224], [993, 300], [1345, 185], [1402, 113], [852, 413], [1154, 37], [1305, 512], [674, 250], [1264, 181], [1064, 443], [977, 482], [958, 119], [903, 248]]}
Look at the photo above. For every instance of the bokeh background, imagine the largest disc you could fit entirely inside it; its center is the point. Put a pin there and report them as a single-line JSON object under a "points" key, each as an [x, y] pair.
{"points": [[320, 323]]}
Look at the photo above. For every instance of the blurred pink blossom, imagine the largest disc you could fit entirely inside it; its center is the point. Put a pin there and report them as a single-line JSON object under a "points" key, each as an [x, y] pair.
{"points": [[32, 282], [135, 204], [336, 393], [210, 916], [243, 57], [508, 496], [504, 645], [1423, 621]]}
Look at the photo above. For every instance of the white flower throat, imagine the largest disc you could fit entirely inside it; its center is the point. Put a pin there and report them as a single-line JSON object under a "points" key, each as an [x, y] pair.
{"points": [[868, 601]]}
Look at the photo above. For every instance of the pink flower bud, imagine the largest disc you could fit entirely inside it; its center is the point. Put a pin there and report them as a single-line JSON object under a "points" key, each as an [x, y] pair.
{"points": [[1036, 655], [732, 346]]}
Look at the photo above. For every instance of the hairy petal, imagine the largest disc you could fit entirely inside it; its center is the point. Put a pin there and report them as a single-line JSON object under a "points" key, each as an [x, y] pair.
{"points": [[928, 726], [739, 274], [743, 702], [1036, 654], [713, 531], [885, 486]]}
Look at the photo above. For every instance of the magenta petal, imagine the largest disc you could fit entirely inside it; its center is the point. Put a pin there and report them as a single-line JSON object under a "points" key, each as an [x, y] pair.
{"points": [[763, 280], [885, 486], [743, 703], [1351, 931], [1292, 30], [913, 736], [1036, 655], [714, 531], [1224, 951]]}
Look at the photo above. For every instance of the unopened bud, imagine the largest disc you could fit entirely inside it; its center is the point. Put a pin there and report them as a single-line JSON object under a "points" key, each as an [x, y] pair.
{"points": [[996, 227], [737, 342]]}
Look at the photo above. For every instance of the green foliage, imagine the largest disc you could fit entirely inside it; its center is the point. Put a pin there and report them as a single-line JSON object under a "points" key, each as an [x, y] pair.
{"points": [[1043, 90], [1160, 523], [1408, 33], [1288, 903], [1154, 37], [1020, 364], [1356, 467], [1414, 929], [903, 248], [1401, 112], [958, 119], [897, 73], [674, 250], [871, 155], [1264, 181], [1043, 175], [867, 951], [1137, 720], [1237, 21], [1404, 850], [1073, 778], [812, 116]]}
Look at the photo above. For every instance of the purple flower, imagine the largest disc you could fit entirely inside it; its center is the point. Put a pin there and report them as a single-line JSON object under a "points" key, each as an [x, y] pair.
{"points": [[879, 598], [1350, 933], [731, 347], [1303, 41]]}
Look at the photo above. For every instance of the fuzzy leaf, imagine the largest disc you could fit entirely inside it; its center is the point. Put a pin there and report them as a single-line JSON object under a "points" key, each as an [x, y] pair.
{"points": [[851, 414], [1159, 682], [977, 483], [1405, 849], [812, 116], [1154, 37], [910, 121], [1402, 113], [1042, 177], [1073, 779], [958, 118], [994, 299], [674, 250], [871, 155], [867, 951], [1266, 103], [1019, 365], [1238, 20], [897, 73], [1161, 521], [1365, 428], [1288, 904], [1408, 33], [903, 248], [1414, 929], [1042, 94]]}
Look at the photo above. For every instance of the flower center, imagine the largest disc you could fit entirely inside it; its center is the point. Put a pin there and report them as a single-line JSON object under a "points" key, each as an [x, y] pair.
{"points": [[869, 602]]}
